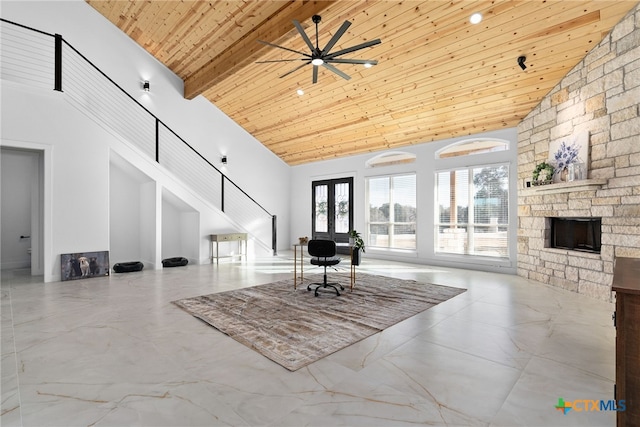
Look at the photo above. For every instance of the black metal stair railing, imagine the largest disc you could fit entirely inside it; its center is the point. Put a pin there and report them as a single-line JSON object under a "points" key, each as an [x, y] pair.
{"points": [[48, 61]]}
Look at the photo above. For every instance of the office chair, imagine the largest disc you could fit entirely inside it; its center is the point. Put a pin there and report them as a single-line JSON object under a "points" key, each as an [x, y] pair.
{"points": [[323, 253]]}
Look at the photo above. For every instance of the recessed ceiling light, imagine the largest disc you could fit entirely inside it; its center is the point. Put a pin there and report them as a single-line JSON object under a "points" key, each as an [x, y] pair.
{"points": [[300, 92], [475, 18], [368, 65]]}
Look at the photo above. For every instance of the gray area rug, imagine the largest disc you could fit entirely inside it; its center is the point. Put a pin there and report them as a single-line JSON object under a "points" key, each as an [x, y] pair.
{"points": [[294, 328]]}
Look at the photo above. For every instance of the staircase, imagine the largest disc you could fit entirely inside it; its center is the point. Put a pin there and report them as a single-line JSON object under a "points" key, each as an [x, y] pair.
{"points": [[44, 61]]}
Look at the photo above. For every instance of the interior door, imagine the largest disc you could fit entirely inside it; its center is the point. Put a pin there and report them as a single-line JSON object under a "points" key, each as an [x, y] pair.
{"points": [[332, 210]]}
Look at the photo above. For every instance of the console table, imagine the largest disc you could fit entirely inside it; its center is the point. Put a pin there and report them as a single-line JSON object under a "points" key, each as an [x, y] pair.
{"points": [[626, 284], [241, 238]]}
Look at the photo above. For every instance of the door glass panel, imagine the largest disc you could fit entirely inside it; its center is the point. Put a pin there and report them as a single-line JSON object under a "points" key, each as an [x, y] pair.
{"points": [[321, 223], [341, 197]]}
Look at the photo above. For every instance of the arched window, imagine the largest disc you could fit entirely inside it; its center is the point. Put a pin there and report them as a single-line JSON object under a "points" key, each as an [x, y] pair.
{"points": [[472, 146], [392, 158]]}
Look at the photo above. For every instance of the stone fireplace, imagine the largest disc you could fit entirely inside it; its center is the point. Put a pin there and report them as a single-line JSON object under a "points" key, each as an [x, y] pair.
{"points": [[599, 96]]}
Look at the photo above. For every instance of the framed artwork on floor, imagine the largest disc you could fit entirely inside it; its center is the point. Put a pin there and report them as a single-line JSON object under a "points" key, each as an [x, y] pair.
{"points": [[84, 265]]}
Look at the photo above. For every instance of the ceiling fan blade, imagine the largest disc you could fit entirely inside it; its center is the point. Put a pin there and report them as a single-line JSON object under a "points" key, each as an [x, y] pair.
{"points": [[303, 34], [285, 48], [336, 36], [295, 69], [315, 74], [282, 60], [335, 70], [353, 48], [352, 61]]}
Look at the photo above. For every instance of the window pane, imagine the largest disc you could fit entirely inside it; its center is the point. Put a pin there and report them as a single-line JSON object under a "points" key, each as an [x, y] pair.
{"points": [[392, 212], [404, 236], [444, 197], [452, 240], [490, 241], [483, 193], [379, 235], [404, 198], [321, 208], [341, 195], [491, 195], [453, 190], [460, 197], [391, 159], [379, 199]]}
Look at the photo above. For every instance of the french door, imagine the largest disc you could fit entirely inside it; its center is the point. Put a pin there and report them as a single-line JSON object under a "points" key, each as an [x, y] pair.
{"points": [[332, 209]]}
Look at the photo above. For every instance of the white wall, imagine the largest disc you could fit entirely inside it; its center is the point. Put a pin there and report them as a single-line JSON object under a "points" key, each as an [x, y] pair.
{"points": [[150, 229], [126, 207], [76, 175], [180, 229], [424, 167], [197, 121]]}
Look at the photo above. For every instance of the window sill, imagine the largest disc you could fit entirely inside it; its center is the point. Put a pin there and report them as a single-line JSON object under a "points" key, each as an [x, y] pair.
{"points": [[394, 251], [565, 187]]}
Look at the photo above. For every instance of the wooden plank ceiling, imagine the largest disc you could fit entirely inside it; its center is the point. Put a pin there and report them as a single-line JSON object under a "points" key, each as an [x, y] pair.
{"points": [[439, 76]]}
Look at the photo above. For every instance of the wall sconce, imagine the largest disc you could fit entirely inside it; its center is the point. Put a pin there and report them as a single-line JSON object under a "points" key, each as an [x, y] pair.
{"points": [[146, 86], [521, 60], [224, 160]]}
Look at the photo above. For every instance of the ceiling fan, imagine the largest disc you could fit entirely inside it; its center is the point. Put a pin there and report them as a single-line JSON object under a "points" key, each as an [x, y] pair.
{"points": [[324, 57]]}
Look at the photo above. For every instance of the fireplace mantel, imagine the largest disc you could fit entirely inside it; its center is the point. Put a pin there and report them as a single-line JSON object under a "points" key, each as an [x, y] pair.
{"points": [[565, 187]]}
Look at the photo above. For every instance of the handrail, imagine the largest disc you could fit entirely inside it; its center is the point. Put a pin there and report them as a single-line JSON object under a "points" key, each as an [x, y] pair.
{"points": [[26, 27], [164, 124], [58, 86]]}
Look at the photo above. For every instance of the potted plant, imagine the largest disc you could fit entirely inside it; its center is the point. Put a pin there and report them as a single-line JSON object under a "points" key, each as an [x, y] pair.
{"points": [[355, 240]]}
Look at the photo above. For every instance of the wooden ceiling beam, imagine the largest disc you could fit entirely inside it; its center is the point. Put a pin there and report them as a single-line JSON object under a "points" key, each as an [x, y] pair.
{"points": [[247, 49]]}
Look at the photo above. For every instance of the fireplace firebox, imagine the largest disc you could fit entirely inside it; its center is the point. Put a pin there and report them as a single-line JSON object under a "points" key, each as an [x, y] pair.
{"points": [[577, 234]]}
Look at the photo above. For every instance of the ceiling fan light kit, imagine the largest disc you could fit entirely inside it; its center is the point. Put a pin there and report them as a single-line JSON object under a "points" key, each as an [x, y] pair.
{"points": [[324, 57]]}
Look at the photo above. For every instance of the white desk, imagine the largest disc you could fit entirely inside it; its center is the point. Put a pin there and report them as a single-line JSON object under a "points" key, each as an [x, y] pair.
{"points": [[228, 237]]}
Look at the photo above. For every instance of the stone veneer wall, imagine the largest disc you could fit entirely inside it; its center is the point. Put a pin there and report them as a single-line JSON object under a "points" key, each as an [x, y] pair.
{"points": [[600, 95]]}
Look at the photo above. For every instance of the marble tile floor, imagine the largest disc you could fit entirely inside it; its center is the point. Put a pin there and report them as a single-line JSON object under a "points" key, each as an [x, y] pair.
{"points": [[114, 351]]}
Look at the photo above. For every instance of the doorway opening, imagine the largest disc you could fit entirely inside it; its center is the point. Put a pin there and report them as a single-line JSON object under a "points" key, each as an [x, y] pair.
{"points": [[22, 225]]}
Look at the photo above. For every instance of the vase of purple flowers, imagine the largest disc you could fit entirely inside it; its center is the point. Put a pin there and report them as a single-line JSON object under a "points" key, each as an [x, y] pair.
{"points": [[566, 155]]}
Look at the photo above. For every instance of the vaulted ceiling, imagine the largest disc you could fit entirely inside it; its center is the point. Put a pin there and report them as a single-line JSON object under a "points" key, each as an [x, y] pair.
{"points": [[438, 76]]}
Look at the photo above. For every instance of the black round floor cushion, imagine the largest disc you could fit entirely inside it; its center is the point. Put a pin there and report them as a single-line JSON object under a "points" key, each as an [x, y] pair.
{"points": [[128, 267], [175, 262]]}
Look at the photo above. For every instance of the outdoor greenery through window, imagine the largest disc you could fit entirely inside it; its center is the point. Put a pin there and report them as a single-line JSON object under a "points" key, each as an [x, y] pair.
{"points": [[391, 218], [473, 211]]}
